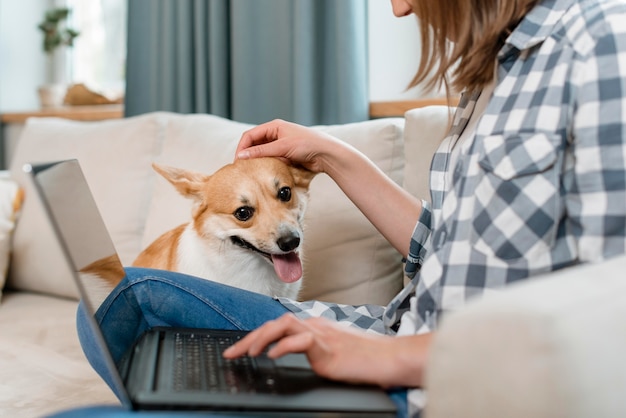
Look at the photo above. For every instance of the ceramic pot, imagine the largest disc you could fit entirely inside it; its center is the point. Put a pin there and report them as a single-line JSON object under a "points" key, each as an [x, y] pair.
{"points": [[52, 95]]}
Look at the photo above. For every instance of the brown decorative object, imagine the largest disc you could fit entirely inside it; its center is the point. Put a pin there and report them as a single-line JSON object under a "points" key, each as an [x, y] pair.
{"points": [[81, 95]]}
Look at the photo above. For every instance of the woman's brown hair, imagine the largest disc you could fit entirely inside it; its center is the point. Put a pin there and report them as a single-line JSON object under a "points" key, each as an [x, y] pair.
{"points": [[478, 29]]}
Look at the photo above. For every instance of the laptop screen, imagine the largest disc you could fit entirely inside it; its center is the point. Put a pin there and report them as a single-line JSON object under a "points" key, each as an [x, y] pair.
{"points": [[84, 239]]}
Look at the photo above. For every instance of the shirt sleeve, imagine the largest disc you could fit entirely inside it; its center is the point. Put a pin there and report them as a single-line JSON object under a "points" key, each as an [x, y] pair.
{"points": [[597, 198], [419, 241]]}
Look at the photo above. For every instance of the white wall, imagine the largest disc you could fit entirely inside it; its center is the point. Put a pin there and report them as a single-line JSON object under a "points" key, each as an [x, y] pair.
{"points": [[22, 62], [394, 53]]}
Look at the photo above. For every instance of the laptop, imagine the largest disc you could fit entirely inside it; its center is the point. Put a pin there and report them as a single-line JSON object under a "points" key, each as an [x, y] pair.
{"points": [[183, 369]]}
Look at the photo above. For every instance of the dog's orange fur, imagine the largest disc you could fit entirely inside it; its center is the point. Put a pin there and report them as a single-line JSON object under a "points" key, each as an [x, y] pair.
{"points": [[204, 247], [161, 254]]}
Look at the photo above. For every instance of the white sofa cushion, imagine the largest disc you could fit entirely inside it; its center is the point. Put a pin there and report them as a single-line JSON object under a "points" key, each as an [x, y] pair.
{"points": [[364, 267], [549, 347], [116, 157], [345, 259], [424, 129]]}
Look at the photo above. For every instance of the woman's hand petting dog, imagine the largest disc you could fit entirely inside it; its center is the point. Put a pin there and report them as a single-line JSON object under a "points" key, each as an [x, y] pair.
{"points": [[298, 145]]}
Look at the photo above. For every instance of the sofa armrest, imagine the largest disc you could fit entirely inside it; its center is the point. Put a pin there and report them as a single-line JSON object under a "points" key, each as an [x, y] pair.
{"points": [[550, 347]]}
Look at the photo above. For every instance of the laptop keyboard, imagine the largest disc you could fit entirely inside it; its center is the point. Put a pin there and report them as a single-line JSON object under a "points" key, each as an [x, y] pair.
{"points": [[199, 365]]}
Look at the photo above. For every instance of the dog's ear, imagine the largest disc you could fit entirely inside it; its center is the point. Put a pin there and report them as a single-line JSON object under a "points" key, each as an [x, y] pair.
{"points": [[301, 176], [188, 183]]}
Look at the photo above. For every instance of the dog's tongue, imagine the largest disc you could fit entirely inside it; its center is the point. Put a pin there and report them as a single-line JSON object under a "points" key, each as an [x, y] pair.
{"points": [[287, 266]]}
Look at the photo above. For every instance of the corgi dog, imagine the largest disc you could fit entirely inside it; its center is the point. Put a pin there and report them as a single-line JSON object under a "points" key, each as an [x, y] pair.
{"points": [[246, 226]]}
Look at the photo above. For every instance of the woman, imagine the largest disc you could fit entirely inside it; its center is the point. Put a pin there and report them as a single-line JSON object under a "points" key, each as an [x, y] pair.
{"points": [[530, 179]]}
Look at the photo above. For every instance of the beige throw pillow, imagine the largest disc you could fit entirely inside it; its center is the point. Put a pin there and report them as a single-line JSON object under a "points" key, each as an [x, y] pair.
{"points": [[424, 130], [115, 157]]}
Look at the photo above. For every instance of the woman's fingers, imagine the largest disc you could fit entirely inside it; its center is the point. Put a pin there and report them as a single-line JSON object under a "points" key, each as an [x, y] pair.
{"points": [[334, 351], [259, 135], [291, 142], [256, 341], [274, 331], [301, 342]]}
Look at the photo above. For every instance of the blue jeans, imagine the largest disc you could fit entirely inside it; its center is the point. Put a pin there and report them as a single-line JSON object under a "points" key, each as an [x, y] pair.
{"points": [[147, 298]]}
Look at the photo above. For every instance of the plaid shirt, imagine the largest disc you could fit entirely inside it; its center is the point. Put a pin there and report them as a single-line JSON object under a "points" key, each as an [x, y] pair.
{"points": [[542, 183]]}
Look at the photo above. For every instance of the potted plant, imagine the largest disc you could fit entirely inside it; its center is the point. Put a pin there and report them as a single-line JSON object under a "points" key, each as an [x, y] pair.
{"points": [[56, 37]]}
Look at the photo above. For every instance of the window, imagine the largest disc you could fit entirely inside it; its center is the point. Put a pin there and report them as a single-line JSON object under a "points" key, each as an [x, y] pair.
{"points": [[98, 58]]}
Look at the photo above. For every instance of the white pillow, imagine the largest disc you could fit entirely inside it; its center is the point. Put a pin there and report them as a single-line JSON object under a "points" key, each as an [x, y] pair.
{"points": [[424, 130], [115, 157], [349, 260], [345, 258], [10, 203]]}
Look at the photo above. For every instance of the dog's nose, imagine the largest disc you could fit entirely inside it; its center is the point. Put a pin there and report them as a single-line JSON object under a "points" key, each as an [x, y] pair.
{"points": [[288, 242]]}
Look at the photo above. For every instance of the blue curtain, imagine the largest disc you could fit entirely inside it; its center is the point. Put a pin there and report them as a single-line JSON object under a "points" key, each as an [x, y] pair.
{"points": [[249, 60]]}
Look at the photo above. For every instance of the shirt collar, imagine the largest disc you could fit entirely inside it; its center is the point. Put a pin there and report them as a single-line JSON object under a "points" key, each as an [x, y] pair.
{"points": [[535, 27]]}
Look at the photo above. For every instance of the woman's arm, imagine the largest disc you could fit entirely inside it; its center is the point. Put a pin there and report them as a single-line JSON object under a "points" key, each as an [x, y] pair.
{"points": [[391, 209]]}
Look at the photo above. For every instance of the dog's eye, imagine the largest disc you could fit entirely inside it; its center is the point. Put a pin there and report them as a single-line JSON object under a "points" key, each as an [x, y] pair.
{"points": [[284, 194], [244, 213]]}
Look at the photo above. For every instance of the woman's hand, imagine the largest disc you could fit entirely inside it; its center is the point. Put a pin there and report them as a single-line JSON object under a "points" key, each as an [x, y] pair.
{"points": [[341, 353], [298, 144]]}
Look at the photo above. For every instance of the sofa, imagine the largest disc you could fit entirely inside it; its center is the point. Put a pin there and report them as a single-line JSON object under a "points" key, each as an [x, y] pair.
{"points": [[546, 348]]}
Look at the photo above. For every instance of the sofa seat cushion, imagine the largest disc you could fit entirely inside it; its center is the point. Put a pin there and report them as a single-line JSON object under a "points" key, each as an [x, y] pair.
{"points": [[43, 366]]}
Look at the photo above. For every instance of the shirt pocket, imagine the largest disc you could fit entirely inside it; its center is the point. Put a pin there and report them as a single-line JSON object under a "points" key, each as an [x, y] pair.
{"points": [[516, 196]]}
